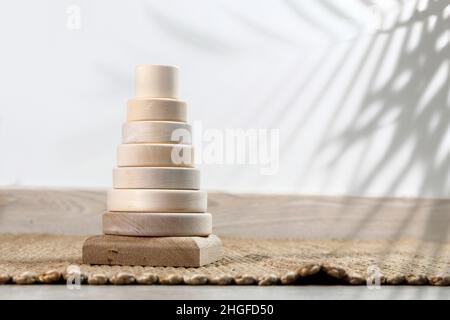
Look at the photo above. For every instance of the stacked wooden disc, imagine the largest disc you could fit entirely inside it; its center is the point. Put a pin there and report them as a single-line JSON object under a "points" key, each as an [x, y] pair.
{"points": [[156, 187]]}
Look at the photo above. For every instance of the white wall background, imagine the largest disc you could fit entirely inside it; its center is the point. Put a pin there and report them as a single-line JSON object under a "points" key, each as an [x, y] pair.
{"points": [[359, 89]]}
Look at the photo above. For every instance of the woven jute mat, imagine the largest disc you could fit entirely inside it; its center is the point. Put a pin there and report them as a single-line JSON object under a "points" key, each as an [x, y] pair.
{"points": [[27, 259]]}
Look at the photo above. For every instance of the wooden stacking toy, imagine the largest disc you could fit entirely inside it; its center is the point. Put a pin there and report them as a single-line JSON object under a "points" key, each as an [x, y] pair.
{"points": [[156, 213]]}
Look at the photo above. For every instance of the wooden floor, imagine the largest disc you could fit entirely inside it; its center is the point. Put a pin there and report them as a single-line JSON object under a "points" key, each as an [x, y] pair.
{"points": [[61, 292], [68, 211]]}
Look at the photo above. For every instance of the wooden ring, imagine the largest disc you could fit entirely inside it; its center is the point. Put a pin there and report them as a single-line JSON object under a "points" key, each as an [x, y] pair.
{"points": [[155, 155], [156, 132], [157, 200], [156, 110], [157, 224], [156, 178]]}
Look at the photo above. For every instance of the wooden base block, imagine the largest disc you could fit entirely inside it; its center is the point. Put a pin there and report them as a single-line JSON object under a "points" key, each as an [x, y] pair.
{"points": [[156, 132], [157, 251], [150, 224], [155, 155], [156, 109], [156, 178], [157, 200]]}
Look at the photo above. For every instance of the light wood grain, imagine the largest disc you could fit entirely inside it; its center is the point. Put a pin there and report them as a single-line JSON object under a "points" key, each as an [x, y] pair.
{"points": [[222, 293], [147, 251], [157, 200], [156, 110], [72, 211], [156, 178], [156, 132], [155, 155], [157, 224], [156, 81]]}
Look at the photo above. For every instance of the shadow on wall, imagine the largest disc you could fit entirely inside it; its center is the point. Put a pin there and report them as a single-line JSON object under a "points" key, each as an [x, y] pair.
{"points": [[417, 93], [413, 98]]}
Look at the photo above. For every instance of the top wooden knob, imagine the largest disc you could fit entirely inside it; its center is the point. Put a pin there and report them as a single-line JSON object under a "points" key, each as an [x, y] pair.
{"points": [[156, 81]]}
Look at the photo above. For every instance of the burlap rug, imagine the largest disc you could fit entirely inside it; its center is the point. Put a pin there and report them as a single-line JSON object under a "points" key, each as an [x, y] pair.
{"points": [[27, 259]]}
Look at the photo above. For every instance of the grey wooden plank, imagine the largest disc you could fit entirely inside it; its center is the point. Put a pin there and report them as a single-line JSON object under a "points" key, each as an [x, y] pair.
{"points": [[61, 292], [76, 211]]}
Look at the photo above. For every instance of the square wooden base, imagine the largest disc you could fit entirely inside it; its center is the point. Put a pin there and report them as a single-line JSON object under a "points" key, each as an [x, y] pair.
{"points": [[152, 251]]}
